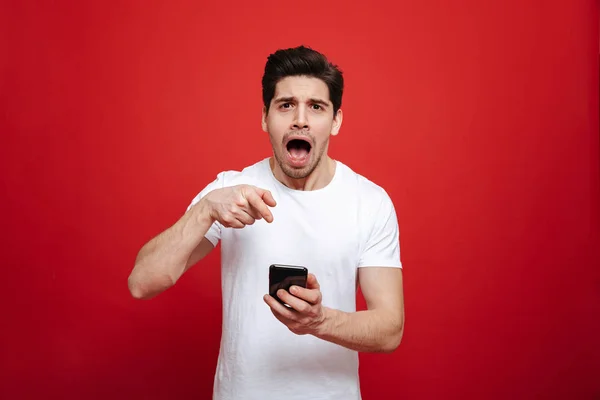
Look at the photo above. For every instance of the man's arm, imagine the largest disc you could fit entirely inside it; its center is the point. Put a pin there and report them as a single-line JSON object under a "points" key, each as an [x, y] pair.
{"points": [[380, 327], [165, 258]]}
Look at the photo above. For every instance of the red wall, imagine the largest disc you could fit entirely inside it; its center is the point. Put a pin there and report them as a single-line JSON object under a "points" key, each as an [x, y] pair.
{"points": [[480, 119]]}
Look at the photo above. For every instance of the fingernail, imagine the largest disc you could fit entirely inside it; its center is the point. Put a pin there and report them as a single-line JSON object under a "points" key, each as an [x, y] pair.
{"points": [[294, 289]]}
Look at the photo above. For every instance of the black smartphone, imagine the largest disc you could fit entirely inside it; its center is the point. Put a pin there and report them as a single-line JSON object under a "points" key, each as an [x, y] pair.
{"points": [[283, 276]]}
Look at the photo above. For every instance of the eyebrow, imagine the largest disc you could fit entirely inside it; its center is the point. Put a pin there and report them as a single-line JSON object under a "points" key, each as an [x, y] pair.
{"points": [[293, 99]]}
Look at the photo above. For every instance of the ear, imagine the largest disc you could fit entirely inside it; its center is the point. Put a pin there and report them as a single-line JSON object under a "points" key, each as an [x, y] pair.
{"points": [[264, 119], [337, 123]]}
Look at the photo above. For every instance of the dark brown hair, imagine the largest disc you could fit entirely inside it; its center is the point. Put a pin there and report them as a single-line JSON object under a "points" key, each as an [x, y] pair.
{"points": [[302, 61]]}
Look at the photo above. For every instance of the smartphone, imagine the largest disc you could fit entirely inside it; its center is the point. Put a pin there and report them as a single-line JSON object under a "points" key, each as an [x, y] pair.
{"points": [[283, 276]]}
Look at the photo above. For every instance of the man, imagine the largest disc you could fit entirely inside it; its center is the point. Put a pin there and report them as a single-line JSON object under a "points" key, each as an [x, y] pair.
{"points": [[299, 207]]}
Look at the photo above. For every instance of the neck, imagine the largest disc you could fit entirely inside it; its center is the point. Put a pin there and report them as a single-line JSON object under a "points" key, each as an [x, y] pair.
{"points": [[320, 177]]}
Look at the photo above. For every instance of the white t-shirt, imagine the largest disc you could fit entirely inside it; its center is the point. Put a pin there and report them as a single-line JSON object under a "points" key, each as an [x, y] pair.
{"points": [[333, 231]]}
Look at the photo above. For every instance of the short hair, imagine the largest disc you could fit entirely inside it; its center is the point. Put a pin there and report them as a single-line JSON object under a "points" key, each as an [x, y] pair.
{"points": [[302, 61]]}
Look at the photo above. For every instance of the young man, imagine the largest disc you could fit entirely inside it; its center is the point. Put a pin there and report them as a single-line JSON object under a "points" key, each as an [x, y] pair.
{"points": [[299, 207]]}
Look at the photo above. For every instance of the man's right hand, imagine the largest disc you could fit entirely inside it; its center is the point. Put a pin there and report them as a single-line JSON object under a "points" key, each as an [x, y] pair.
{"points": [[238, 206]]}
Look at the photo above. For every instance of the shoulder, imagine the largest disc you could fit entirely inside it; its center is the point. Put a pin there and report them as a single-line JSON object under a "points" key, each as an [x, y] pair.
{"points": [[377, 221], [374, 206], [252, 174], [369, 193]]}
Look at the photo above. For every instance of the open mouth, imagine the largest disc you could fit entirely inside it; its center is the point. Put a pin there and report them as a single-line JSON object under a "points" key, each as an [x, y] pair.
{"points": [[298, 149]]}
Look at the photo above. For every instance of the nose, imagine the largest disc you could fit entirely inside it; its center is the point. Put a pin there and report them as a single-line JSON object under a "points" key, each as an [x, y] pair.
{"points": [[300, 118]]}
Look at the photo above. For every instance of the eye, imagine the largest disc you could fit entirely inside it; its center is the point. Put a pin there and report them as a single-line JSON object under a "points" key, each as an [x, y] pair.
{"points": [[286, 105], [317, 106]]}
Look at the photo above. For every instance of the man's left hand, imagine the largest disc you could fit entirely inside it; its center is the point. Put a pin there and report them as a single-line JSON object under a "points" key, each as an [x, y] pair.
{"points": [[306, 315]]}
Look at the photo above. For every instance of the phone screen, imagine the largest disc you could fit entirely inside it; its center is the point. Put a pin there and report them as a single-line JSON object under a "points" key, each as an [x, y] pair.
{"points": [[283, 276]]}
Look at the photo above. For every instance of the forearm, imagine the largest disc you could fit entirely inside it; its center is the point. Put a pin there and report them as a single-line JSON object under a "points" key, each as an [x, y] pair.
{"points": [[162, 261], [374, 331]]}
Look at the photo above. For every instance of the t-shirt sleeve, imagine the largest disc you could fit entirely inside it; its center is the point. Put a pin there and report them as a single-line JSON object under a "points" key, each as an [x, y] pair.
{"points": [[214, 232], [382, 245]]}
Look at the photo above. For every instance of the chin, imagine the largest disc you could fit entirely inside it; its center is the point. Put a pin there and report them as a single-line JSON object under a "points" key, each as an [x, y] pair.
{"points": [[297, 173], [292, 170]]}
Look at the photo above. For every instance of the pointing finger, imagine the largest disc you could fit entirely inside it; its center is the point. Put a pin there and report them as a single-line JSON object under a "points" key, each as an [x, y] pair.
{"points": [[266, 195], [257, 202]]}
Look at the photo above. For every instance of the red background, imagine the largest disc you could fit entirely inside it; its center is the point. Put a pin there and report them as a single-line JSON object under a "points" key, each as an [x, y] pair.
{"points": [[480, 119]]}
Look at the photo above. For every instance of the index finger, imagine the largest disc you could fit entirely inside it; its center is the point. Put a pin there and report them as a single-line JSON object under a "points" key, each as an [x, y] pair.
{"points": [[257, 202]]}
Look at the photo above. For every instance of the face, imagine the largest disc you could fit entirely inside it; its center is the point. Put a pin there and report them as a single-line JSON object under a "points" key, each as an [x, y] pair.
{"points": [[299, 122]]}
